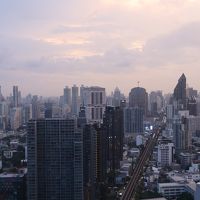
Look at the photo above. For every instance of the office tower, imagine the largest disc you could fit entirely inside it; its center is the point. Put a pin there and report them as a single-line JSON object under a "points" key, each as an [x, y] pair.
{"points": [[102, 153], [48, 110], [67, 96], [1, 95], [89, 161], [81, 120], [170, 118], [15, 96], [15, 118], [180, 137], [114, 127], [191, 93], [138, 97], [180, 93], [192, 106], [184, 126], [95, 103], [38, 108], [3, 115], [197, 192], [165, 154], [55, 163], [27, 113], [133, 121], [116, 97], [75, 100], [156, 102], [13, 186], [82, 94]]}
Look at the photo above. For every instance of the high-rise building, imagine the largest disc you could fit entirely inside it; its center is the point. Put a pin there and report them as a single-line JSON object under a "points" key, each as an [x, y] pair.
{"points": [[102, 153], [192, 106], [156, 102], [27, 113], [95, 103], [15, 96], [1, 95], [13, 186], [16, 118], [114, 127], [55, 160], [180, 93], [48, 110], [117, 97], [82, 94], [138, 97], [75, 105], [180, 135], [89, 161], [3, 115], [133, 120], [165, 154], [191, 92], [67, 96]]}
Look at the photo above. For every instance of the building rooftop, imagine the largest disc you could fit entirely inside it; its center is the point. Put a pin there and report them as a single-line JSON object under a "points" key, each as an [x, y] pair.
{"points": [[162, 198], [10, 175]]}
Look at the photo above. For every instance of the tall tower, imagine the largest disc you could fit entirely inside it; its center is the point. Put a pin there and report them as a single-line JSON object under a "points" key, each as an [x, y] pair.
{"points": [[95, 103], [1, 96], [138, 97], [114, 128], [75, 100], [180, 93], [55, 160], [15, 96], [67, 96]]}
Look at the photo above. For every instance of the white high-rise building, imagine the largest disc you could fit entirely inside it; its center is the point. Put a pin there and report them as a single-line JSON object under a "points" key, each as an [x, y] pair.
{"points": [[165, 154], [94, 99], [16, 118]]}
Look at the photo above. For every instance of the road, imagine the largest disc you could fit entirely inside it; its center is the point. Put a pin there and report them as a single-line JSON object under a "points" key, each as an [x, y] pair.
{"points": [[138, 170]]}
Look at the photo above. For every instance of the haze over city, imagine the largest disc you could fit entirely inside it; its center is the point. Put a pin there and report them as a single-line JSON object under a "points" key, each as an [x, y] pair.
{"points": [[103, 42]]}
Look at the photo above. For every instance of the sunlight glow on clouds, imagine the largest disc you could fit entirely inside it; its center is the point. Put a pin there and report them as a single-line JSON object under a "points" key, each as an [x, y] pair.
{"points": [[116, 42], [64, 41]]}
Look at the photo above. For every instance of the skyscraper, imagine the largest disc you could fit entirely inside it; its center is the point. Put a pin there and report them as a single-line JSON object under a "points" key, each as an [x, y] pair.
{"points": [[180, 93], [55, 164], [114, 128], [67, 96], [89, 161], [1, 95], [75, 100], [95, 103], [133, 120], [15, 96], [138, 97]]}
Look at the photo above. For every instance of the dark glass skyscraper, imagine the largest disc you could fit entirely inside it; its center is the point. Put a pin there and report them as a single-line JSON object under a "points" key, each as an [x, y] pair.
{"points": [[55, 164], [138, 97], [114, 127], [134, 120], [180, 93]]}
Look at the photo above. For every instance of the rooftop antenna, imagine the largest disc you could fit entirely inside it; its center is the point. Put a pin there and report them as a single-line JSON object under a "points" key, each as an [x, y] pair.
{"points": [[138, 83]]}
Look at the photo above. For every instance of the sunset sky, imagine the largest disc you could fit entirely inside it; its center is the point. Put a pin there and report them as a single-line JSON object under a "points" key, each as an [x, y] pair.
{"points": [[48, 44]]}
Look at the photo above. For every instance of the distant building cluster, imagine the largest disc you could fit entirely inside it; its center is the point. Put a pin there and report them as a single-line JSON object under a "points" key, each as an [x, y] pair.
{"points": [[85, 144]]}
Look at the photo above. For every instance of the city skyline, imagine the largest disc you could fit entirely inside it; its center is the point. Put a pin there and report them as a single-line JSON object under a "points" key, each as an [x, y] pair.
{"points": [[8, 90], [107, 43]]}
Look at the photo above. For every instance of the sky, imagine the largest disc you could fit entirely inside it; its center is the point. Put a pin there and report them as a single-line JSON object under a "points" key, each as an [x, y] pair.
{"points": [[46, 45]]}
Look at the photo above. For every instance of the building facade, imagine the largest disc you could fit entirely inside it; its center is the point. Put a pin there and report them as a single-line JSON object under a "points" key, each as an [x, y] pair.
{"points": [[55, 164]]}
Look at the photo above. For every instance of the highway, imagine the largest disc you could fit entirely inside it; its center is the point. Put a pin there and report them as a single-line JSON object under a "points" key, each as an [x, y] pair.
{"points": [[138, 170]]}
